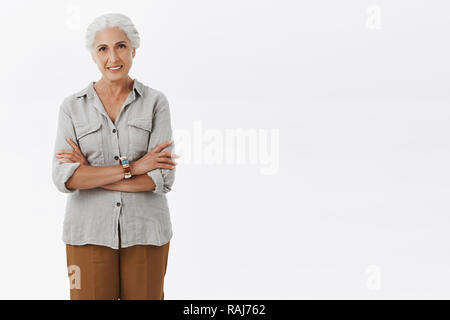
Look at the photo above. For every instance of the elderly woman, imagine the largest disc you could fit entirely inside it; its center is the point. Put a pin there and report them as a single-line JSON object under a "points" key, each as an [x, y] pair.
{"points": [[113, 156]]}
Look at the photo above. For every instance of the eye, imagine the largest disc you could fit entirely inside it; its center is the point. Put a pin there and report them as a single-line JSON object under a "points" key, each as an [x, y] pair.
{"points": [[101, 48], [122, 45]]}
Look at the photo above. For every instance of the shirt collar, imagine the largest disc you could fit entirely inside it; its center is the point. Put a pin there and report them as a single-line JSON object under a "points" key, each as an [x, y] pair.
{"points": [[89, 90]]}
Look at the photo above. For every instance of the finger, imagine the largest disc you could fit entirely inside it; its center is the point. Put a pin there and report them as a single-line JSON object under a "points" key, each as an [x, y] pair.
{"points": [[69, 153], [73, 155], [165, 166], [73, 144], [62, 155], [67, 158], [68, 161], [168, 154], [161, 146], [166, 160], [63, 151], [77, 157]]}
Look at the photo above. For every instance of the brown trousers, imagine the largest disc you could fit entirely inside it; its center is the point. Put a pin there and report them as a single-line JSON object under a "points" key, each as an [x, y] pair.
{"points": [[102, 273]]}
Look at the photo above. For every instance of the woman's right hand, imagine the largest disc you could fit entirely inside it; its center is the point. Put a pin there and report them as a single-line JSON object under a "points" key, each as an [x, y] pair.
{"points": [[154, 159]]}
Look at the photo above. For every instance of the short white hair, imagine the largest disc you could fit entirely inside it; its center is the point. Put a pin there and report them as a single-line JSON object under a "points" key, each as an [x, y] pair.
{"points": [[112, 20]]}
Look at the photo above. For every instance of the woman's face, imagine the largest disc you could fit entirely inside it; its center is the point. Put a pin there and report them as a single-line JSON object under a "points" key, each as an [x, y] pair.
{"points": [[111, 49]]}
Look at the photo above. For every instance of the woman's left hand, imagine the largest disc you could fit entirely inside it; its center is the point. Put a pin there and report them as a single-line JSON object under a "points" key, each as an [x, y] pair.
{"points": [[71, 156]]}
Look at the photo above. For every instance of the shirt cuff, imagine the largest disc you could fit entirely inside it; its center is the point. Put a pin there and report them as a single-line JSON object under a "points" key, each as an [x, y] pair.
{"points": [[157, 178], [65, 171]]}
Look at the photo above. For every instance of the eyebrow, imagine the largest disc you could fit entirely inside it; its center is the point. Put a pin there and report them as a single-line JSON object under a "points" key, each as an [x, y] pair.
{"points": [[106, 45]]}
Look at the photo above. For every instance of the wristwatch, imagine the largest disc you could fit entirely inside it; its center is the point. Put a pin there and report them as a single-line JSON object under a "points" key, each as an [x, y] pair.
{"points": [[126, 167]]}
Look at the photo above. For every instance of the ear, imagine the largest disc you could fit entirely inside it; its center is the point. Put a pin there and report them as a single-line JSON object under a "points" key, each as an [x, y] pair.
{"points": [[133, 53]]}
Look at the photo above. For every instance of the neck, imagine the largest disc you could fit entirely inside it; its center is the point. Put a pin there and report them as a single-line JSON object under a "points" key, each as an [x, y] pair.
{"points": [[115, 88]]}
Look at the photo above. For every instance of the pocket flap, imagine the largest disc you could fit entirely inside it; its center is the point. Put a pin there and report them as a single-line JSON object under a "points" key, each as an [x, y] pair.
{"points": [[85, 129], [142, 123]]}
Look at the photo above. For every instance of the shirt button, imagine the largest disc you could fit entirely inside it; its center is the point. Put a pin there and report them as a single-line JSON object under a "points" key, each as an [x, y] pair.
{"points": [[116, 158], [114, 130], [118, 204]]}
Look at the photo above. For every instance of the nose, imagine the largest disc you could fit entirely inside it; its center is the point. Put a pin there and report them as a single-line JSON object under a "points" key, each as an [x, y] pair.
{"points": [[113, 55]]}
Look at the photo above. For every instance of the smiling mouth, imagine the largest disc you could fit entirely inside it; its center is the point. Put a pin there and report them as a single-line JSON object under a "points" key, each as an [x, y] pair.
{"points": [[115, 68]]}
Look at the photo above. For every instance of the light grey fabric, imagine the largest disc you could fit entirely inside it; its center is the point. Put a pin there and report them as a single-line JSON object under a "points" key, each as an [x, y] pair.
{"points": [[92, 215]]}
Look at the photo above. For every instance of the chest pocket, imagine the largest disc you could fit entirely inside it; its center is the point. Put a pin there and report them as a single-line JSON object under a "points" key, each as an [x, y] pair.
{"points": [[139, 130], [89, 138]]}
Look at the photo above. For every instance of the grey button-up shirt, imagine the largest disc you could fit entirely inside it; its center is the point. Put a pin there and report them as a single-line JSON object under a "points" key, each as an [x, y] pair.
{"points": [[92, 215]]}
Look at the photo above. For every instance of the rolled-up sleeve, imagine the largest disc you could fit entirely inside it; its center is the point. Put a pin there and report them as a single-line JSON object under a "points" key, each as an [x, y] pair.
{"points": [[62, 171], [162, 132]]}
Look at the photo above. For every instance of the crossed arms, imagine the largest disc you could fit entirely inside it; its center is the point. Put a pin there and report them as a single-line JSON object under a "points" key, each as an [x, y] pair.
{"points": [[74, 172], [108, 177]]}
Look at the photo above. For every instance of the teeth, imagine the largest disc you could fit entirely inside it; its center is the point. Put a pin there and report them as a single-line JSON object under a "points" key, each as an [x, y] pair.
{"points": [[115, 68]]}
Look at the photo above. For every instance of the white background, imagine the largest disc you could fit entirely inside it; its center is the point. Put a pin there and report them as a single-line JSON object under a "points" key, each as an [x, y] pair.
{"points": [[358, 91]]}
